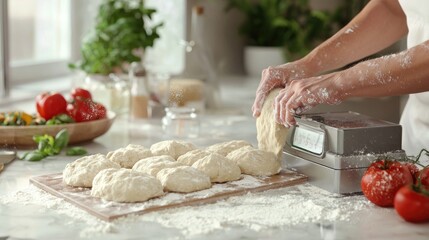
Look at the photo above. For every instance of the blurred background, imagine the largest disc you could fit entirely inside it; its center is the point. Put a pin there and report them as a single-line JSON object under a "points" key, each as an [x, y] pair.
{"points": [[77, 41]]}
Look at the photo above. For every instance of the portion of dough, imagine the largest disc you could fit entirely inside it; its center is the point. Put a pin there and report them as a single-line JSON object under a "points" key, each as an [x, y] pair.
{"points": [[226, 147], [128, 156], [191, 157], [81, 172], [125, 185], [271, 135], [172, 148], [255, 162], [153, 165], [218, 168], [183, 179]]}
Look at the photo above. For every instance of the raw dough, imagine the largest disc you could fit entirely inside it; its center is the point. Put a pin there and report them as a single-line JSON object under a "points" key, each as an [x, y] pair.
{"points": [[226, 147], [129, 155], [125, 185], [153, 165], [271, 135], [191, 157], [183, 179], [218, 168], [81, 172], [255, 162], [172, 148]]}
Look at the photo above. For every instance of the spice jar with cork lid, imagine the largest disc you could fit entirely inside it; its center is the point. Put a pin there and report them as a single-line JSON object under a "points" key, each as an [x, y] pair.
{"points": [[139, 90]]}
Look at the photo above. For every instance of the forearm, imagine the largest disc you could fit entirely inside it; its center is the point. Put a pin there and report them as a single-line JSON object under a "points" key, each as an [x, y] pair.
{"points": [[377, 26], [397, 74]]}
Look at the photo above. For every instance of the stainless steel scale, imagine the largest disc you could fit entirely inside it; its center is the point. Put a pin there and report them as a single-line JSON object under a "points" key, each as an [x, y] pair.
{"points": [[334, 149]]}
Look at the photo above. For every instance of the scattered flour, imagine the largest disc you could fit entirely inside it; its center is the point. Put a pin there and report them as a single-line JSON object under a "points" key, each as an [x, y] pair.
{"points": [[257, 211]]}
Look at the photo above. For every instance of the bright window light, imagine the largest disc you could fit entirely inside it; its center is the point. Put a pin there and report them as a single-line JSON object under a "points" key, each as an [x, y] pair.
{"points": [[39, 31]]}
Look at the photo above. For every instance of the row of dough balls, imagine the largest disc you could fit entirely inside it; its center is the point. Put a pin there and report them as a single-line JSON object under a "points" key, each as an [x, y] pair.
{"points": [[174, 166]]}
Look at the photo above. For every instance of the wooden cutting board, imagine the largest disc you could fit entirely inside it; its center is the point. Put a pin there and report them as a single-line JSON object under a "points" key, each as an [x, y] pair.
{"points": [[106, 210]]}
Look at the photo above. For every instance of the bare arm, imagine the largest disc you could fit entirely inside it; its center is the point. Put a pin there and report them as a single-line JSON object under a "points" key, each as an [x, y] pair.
{"points": [[396, 74], [380, 24], [403, 73]]}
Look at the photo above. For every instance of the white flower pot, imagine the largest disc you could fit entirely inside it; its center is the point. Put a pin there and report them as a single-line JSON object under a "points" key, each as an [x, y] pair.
{"points": [[258, 58]]}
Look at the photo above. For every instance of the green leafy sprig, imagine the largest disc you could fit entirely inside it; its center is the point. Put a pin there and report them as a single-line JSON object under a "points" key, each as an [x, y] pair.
{"points": [[121, 30], [49, 146]]}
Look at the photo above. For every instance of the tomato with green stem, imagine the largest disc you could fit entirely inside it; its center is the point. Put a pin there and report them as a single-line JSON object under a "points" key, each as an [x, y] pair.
{"points": [[49, 105], [383, 179], [412, 203]]}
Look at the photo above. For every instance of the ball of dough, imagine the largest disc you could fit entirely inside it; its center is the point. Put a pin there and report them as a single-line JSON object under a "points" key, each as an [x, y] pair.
{"points": [[81, 172], [271, 135], [153, 165], [135, 146], [191, 157], [125, 185], [218, 168], [128, 156], [226, 147], [172, 148], [255, 162], [183, 179]]}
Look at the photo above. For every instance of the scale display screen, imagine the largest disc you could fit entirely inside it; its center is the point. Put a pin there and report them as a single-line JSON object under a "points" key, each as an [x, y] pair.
{"points": [[308, 140]]}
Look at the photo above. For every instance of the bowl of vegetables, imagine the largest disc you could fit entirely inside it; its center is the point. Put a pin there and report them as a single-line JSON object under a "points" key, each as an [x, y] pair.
{"points": [[83, 118]]}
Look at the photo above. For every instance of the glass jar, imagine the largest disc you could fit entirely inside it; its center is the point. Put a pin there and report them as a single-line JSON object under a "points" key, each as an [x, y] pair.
{"points": [[181, 122], [139, 91], [110, 90]]}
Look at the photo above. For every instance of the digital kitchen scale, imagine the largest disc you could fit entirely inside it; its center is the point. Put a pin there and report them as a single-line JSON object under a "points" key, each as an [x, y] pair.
{"points": [[335, 149]]}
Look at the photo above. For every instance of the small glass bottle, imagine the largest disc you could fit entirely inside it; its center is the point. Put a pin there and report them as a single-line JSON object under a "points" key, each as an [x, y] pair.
{"points": [[139, 91], [181, 122]]}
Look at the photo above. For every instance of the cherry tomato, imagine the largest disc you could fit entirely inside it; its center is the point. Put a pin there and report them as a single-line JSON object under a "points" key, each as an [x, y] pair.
{"points": [[424, 176], [49, 105], [80, 93], [82, 110], [383, 179], [412, 204], [101, 110], [414, 170]]}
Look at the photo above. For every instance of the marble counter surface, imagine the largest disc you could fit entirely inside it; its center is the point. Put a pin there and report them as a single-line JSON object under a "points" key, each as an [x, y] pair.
{"points": [[26, 213]]}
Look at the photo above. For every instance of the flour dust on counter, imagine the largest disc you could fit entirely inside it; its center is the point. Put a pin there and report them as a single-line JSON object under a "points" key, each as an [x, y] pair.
{"points": [[280, 208]]}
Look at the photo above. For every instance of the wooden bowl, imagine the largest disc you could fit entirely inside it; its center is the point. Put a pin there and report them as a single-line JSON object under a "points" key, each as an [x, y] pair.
{"points": [[22, 136]]}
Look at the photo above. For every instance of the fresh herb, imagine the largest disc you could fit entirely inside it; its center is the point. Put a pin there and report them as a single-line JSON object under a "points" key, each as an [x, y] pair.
{"points": [[50, 146], [60, 119], [121, 29], [76, 151]]}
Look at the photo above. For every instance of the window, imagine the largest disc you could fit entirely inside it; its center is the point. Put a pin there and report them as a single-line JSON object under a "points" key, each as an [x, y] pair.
{"points": [[39, 38], [168, 54], [45, 35], [3, 82]]}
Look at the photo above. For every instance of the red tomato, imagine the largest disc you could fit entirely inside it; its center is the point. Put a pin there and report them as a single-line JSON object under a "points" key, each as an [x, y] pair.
{"points": [[424, 176], [82, 110], [101, 110], [414, 170], [50, 104], [383, 179], [80, 93], [412, 204]]}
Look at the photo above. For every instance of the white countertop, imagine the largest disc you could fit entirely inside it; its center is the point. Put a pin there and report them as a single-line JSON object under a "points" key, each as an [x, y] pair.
{"points": [[298, 212]]}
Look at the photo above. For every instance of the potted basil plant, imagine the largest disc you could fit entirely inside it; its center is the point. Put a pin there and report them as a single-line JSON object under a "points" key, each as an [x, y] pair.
{"points": [[276, 31], [120, 36]]}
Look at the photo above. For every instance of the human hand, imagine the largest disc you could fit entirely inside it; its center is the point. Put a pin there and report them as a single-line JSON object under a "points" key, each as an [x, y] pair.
{"points": [[279, 76], [301, 95]]}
